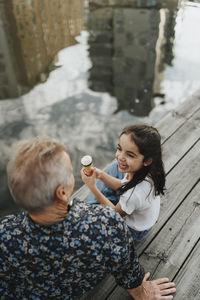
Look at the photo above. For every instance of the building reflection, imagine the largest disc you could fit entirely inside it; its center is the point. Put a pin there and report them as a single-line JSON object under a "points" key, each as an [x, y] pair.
{"points": [[129, 48], [31, 34]]}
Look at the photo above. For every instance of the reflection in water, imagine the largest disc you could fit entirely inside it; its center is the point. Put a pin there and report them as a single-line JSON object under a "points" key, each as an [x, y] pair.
{"points": [[129, 48], [31, 34], [63, 106], [133, 3]]}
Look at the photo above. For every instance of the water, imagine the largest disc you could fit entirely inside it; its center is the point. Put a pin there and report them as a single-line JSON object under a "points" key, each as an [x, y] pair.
{"points": [[95, 71]]}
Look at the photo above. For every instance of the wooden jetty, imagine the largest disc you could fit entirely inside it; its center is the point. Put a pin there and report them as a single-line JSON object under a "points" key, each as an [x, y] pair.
{"points": [[172, 248]]}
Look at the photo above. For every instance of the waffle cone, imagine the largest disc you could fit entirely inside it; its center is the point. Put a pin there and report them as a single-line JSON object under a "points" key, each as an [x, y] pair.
{"points": [[88, 169]]}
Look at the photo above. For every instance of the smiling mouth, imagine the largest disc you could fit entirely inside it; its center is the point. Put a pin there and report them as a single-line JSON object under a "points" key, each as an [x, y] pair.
{"points": [[122, 167]]}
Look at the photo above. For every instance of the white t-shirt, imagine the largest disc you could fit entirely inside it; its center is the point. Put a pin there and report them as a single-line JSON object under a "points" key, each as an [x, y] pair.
{"points": [[141, 205]]}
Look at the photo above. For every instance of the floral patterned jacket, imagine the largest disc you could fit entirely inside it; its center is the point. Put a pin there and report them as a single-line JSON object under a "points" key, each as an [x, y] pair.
{"points": [[64, 260]]}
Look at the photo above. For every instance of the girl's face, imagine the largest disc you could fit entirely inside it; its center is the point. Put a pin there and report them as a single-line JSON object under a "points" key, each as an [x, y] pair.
{"points": [[128, 156]]}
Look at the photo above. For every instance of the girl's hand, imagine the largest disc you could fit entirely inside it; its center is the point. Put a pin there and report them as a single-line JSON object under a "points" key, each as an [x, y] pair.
{"points": [[98, 173], [90, 181]]}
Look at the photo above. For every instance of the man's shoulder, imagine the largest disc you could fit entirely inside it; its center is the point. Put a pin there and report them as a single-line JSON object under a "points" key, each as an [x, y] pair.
{"points": [[10, 222], [97, 213], [6, 220], [96, 209]]}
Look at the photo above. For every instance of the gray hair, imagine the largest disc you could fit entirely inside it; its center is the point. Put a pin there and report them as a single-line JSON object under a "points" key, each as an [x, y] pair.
{"points": [[35, 169]]}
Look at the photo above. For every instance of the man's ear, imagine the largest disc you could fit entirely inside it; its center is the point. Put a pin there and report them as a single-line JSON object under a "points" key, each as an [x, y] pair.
{"points": [[148, 161], [62, 193]]}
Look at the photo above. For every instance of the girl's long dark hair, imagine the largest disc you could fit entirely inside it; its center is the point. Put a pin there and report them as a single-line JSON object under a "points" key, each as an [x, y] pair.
{"points": [[148, 141]]}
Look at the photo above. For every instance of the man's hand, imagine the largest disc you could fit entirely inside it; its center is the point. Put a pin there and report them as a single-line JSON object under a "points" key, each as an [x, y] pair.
{"points": [[153, 290]]}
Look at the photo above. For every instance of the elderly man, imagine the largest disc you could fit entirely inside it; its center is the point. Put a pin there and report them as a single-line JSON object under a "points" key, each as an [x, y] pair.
{"points": [[56, 250]]}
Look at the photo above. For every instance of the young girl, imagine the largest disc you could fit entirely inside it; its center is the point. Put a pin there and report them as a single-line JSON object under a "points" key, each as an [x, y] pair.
{"points": [[139, 158]]}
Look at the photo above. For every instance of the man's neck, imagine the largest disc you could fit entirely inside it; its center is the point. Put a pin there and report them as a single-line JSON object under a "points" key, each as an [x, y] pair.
{"points": [[50, 215]]}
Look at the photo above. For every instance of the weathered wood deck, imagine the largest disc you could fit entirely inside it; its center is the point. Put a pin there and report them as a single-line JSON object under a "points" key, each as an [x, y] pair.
{"points": [[172, 248]]}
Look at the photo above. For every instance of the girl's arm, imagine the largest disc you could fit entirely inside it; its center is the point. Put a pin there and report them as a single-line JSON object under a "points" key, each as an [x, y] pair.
{"points": [[90, 181], [110, 181], [103, 200]]}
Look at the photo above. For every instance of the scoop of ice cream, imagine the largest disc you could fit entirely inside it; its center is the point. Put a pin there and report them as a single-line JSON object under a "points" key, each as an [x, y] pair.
{"points": [[86, 160]]}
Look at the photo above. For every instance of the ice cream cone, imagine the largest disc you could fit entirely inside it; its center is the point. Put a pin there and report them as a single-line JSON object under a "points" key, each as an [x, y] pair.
{"points": [[86, 162]]}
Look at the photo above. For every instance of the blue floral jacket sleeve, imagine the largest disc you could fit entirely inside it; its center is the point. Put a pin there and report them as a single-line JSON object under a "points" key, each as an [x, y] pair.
{"points": [[123, 262], [66, 259]]}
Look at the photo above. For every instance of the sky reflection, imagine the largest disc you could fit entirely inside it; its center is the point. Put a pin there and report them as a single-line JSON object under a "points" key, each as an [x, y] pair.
{"points": [[87, 115]]}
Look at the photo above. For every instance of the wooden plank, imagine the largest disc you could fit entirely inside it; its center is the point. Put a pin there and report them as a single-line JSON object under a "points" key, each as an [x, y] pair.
{"points": [[188, 171], [81, 193], [167, 253], [188, 279], [119, 294], [179, 182], [171, 247], [176, 118], [181, 141]]}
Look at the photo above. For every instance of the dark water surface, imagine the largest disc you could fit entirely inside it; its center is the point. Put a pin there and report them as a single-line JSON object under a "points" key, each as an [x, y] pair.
{"points": [[80, 72]]}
